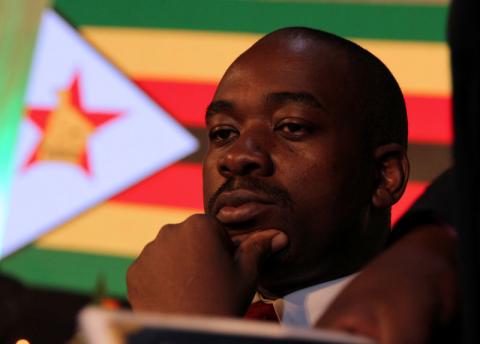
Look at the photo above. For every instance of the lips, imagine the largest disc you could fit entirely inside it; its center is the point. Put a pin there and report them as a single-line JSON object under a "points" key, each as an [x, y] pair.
{"points": [[240, 206]]}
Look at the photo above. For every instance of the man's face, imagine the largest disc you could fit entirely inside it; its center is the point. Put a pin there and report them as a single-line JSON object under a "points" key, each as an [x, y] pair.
{"points": [[285, 152]]}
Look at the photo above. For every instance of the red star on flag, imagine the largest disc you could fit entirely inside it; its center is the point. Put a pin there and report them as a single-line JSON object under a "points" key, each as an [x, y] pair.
{"points": [[66, 129]]}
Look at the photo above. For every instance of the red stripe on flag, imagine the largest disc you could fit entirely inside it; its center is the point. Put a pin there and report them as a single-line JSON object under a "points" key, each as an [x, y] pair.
{"points": [[429, 117], [179, 185], [186, 101], [413, 191]]}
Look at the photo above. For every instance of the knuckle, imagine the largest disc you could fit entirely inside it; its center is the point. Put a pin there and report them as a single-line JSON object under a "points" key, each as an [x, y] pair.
{"points": [[166, 231], [196, 219], [197, 222], [145, 252], [166, 228]]}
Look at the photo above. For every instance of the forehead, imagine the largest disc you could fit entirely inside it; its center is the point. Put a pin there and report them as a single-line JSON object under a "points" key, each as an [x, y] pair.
{"points": [[296, 66]]}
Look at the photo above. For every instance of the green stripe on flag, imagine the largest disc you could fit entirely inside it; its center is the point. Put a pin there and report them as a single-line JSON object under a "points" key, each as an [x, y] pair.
{"points": [[355, 20], [67, 270]]}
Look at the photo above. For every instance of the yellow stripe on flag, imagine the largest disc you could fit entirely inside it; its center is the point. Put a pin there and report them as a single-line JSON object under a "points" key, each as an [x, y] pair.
{"points": [[165, 54], [420, 67], [113, 229]]}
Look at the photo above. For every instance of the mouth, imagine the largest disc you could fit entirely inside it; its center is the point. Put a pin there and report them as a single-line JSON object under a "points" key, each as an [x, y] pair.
{"points": [[238, 207], [246, 212]]}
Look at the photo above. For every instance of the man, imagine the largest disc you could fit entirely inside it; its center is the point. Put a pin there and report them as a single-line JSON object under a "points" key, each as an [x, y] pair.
{"points": [[307, 154]]}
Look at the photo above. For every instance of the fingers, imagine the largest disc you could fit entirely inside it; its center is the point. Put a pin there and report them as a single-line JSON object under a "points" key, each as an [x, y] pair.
{"points": [[279, 242], [257, 247]]}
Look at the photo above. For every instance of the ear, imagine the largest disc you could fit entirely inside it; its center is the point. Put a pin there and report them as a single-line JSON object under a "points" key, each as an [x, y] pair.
{"points": [[392, 174]]}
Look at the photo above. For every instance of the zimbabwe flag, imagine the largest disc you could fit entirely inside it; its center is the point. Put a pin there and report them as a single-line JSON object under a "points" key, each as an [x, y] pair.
{"points": [[176, 51]]}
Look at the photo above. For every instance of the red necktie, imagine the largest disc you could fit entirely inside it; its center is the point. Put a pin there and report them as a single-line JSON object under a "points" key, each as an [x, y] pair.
{"points": [[261, 311]]}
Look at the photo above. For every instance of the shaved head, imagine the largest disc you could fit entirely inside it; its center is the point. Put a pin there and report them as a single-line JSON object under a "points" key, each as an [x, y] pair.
{"points": [[377, 97]]}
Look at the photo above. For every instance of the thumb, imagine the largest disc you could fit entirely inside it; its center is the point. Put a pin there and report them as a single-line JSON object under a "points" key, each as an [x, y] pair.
{"points": [[253, 251]]}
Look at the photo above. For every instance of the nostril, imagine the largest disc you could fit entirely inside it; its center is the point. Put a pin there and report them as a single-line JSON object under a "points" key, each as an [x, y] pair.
{"points": [[250, 167], [224, 169]]}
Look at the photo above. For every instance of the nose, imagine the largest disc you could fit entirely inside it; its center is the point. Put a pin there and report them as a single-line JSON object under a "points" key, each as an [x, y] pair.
{"points": [[248, 155]]}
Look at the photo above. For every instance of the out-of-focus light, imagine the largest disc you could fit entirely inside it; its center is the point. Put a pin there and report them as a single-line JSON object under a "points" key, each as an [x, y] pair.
{"points": [[22, 341], [109, 303]]}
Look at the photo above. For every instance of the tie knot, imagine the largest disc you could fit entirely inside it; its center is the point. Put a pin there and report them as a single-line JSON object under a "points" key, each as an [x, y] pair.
{"points": [[261, 311]]}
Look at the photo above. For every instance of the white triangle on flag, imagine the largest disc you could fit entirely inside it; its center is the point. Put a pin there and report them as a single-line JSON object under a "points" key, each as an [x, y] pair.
{"points": [[142, 139]]}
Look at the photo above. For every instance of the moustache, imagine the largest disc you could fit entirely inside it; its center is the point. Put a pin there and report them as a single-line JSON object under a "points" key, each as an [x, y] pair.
{"points": [[277, 194]]}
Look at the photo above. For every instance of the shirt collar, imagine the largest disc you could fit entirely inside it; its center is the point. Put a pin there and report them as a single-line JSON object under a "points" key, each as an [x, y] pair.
{"points": [[305, 306]]}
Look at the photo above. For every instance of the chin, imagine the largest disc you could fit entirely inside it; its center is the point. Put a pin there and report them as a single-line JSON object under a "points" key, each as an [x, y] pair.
{"points": [[277, 277]]}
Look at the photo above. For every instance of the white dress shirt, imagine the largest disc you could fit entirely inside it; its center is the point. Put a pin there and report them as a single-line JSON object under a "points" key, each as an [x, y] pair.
{"points": [[305, 306]]}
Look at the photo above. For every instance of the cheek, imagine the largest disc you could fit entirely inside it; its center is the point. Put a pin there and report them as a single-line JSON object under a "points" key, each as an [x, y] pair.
{"points": [[318, 185], [313, 173], [334, 191], [308, 178], [318, 195]]}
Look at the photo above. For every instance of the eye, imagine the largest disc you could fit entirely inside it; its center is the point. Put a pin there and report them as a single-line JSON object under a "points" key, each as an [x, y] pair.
{"points": [[222, 134], [293, 129]]}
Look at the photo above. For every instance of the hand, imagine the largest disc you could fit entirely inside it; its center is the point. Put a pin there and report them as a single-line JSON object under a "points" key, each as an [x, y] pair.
{"points": [[404, 294], [195, 268]]}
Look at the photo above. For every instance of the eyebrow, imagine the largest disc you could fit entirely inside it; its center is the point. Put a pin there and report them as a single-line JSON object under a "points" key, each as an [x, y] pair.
{"points": [[304, 98], [218, 106]]}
